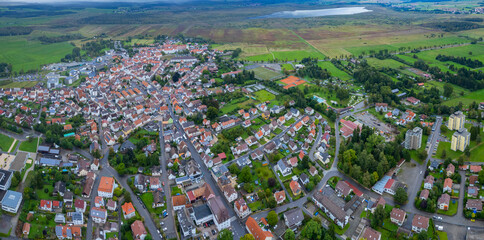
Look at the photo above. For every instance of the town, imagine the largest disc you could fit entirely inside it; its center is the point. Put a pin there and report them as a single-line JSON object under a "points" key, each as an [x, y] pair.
{"points": [[180, 141]]}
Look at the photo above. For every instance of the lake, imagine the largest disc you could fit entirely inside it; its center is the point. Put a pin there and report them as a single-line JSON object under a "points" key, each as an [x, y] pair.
{"points": [[316, 13]]}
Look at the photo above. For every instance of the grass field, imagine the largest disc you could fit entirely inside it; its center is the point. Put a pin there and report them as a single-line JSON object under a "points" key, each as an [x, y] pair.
{"points": [[286, 55], [264, 95], [442, 235], [29, 146], [147, 199], [477, 96], [266, 74], [388, 63], [239, 103], [31, 54], [452, 208], [336, 72], [19, 85], [5, 142], [287, 66]]}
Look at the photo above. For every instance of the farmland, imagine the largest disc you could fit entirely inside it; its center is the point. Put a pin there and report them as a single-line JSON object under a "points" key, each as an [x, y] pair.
{"points": [[266, 74], [335, 72], [466, 99]]}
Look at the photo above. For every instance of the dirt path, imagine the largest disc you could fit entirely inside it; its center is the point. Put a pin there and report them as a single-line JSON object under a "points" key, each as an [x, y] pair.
{"points": [[11, 146]]}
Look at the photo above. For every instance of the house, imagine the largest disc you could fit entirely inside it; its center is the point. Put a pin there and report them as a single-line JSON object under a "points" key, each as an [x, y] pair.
{"points": [[293, 218], [59, 218], [475, 168], [473, 180], [241, 208], [434, 165], [111, 205], [447, 185], [138, 230], [474, 205], [99, 215], [450, 169], [381, 107], [229, 193], [304, 179], [68, 199], [106, 187], [253, 228], [370, 234], [373, 205], [343, 189], [424, 194], [158, 200], [59, 189], [128, 210], [45, 205], [98, 201], [443, 202], [221, 216], [77, 218], [155, 183], [473, 192], [139, 182], [397, 216], [241, 149], [313, 171], [283, 167], [95, 165], [429, 182], [295, 188], [80, 205], [333, 211], [280, 196], [68, 232], [179, 202], [420, 223]]}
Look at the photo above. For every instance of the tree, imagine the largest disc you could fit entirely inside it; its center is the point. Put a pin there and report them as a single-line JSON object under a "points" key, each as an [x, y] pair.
{"points": [[271, 202], [234, 169], [378, 217], [272, 218], [212, 113], [448, 90], [481, 176], [289, 235], [271, 182], [400, 196], [312, 230], [225, 235], [245, 175], [127, 196], [247, 236], [422, 235]]}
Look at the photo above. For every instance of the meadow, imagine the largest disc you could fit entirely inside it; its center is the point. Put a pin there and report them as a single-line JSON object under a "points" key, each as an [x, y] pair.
{"points": [[335, 72], [466, 99], [266, 74], [264, 95]]}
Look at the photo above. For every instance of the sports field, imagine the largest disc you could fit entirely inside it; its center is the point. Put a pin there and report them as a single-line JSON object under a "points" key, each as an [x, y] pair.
{"points": [[265, 74]]}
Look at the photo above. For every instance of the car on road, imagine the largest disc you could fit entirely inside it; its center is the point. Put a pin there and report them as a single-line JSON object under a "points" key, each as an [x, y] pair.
{"points": [[164, 229], [163, 183], [213, 232]]}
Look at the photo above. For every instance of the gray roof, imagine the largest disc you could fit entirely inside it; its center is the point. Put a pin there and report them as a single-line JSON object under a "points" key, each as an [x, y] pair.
{"points": [[4, 176], [218, 209], [11, 199], [294, 217], [97, 213], [202, 211], [49, 161]]}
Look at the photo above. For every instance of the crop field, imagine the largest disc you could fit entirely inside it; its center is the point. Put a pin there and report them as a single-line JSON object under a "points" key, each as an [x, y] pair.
{"points": [[266, 74], [286, 55], [472, 51], [336, 72], [31, 54], [476, 96], [287, 66], [264, 95]]}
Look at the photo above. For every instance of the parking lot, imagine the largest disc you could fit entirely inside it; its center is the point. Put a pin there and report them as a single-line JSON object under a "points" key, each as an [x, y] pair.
{"points": [[369, 120]]}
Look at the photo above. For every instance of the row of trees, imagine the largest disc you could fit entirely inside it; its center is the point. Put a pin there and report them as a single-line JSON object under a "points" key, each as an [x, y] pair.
{"points": [[460, 60]]}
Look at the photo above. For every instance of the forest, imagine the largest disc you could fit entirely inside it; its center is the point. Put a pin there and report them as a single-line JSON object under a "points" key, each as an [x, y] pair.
{"points": [[460, 60], [13, 31]]}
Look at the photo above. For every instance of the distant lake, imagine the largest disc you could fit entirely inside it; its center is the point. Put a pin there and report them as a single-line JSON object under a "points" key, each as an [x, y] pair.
{"points": [[316, 13]]}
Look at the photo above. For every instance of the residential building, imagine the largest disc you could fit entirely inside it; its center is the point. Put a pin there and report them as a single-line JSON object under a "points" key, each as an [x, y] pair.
{"points": [[295, 187], [333, 211], [456, 121], [447, 185], [5, 179], [293, 218], [474, 205], [397, 216], [429, 182], [443, 202], [370, 234], [420, 223], [256, 231], [221, 216], [460, 140], [128, 210], [413, 138], [280, 196], [241, 208], [99, 215], [106, 187], [138, 230]]}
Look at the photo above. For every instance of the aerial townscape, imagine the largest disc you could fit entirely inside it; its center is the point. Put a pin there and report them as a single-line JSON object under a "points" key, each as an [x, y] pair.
{"points": [[253, 120]]}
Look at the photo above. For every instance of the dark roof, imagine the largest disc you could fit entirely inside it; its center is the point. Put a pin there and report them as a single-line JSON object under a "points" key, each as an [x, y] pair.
{"points": [[4, 176], [294, 216], [202, 211]]}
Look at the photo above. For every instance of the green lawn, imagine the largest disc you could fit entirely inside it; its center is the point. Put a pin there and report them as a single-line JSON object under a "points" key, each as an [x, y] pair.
{"points": [[335, 72], [5, 142], [340, 231], [452, 208], [387, 63], [28, 146], [41, 194], [442, 235], [477, 96], [147, 199], [175, 190], [254, 206], [264, 95], [287, 66], [31, 54], [111, 235]]}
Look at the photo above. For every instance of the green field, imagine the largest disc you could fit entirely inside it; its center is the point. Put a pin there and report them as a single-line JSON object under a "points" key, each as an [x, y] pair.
{"points": [[19, 85], [264, 95], [236, 104], [29, 146], [286, 55], [452, 208], [266, 74], [5, 142], [147, 199], [335, 72], [287, 66], [387, 63], [477, 96], [31, 54]]}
